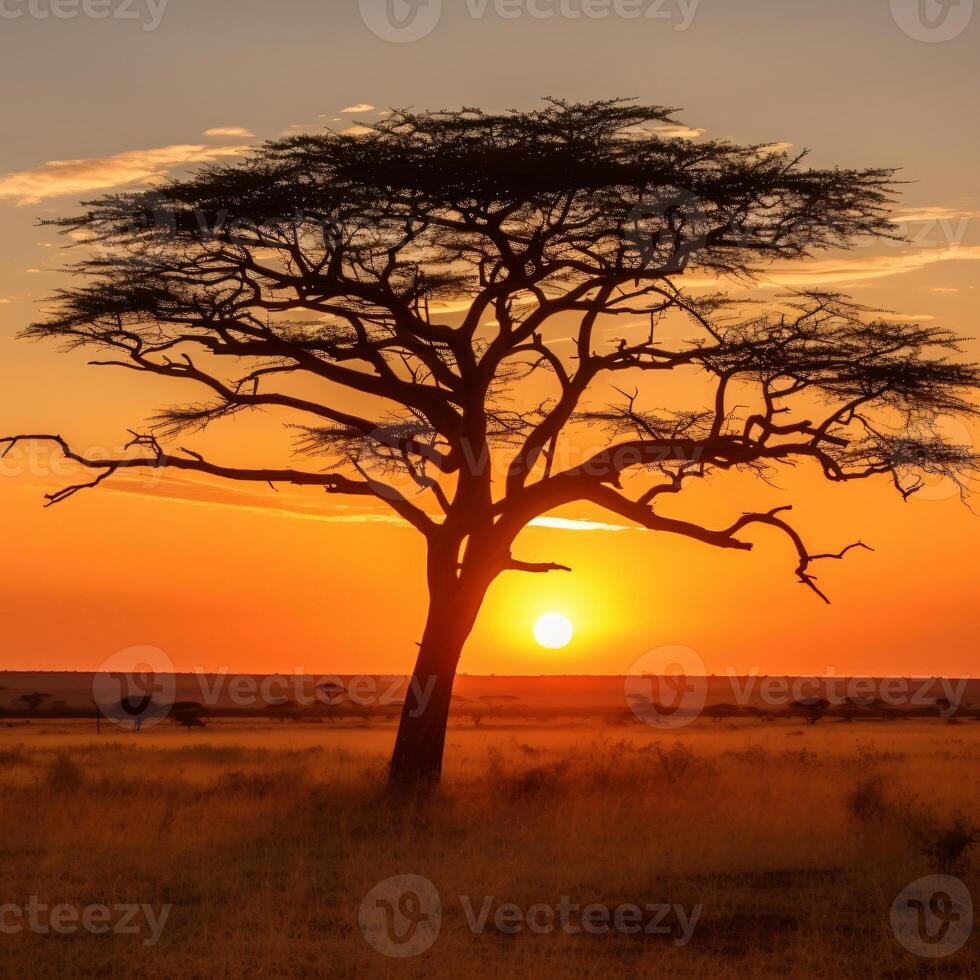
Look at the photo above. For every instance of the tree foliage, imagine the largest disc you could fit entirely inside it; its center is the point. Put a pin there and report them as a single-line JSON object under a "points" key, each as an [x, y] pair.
{"points": [[411, 277]]}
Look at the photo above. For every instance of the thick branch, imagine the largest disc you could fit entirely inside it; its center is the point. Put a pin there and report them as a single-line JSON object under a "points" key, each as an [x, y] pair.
{"points": [[331, 482]]}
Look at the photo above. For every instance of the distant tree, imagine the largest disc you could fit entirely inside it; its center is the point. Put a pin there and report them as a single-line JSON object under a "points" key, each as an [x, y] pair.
{"points": [[812, 709], [460, 704], [718, 712], [188, 714], [332, 693], [946, 844], [98, 716], [135, 707], [401, 293], [285, 709], [333, 697], [490, 705], [190, 721], [854, 707], [33, 700]]}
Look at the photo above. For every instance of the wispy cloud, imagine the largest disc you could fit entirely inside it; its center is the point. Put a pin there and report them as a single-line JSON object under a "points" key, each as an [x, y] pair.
{"points": [[936, 214], [228, 131], [773, 148], [360, 107], [849, 270], [288, 503], [674, 131], [566, 524], [59, 178], [272, 509], [905, 317]]}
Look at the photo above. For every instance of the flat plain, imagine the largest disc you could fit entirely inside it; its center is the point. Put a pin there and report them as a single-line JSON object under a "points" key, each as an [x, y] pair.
{"points": [[264, 837]]}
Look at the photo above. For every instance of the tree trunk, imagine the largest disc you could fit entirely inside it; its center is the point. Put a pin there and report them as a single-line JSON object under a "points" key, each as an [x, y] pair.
{"points": [[416, 762]]}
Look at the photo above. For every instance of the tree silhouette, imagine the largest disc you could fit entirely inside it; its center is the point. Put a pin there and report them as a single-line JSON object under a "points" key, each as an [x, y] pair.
{"points": [[854, 707], [135, 707], [446, 308], [188, 714], [33, 700], [332, 697], [490, 706], [812, 709]]}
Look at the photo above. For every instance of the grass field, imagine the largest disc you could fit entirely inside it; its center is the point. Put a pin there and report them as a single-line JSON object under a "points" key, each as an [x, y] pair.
{"points": [[265, 838]]}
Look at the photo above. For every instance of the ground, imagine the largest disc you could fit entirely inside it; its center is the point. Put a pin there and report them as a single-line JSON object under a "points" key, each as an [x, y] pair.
{"points": [[264, 838]]}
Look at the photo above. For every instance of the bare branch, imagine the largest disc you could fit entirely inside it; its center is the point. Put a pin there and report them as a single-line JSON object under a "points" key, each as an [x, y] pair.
{"points": [[331, 482], [514, 564]]}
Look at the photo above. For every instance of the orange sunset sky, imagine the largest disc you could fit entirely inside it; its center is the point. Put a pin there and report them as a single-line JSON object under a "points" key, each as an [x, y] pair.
{"points": [[253, 580]]}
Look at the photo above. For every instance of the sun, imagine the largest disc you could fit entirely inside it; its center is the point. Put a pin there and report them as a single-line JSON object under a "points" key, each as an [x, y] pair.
{"points": [[553, 631]]}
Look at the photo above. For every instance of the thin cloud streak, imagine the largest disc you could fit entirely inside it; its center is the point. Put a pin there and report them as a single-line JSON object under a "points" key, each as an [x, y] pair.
{"points": [[60, 178], [848, 271], [176, 490], [677, 131], [229, 131], [935, 214], [567, 524]]}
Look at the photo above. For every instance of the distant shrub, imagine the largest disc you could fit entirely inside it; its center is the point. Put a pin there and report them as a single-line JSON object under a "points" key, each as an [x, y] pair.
{"points": [[277, 783], [523, 783], [676, 761], [946, 844], [754, 755], [866, 802], [12, 756], [534, 781], [944, 841], [218, 754], [64, 774]]}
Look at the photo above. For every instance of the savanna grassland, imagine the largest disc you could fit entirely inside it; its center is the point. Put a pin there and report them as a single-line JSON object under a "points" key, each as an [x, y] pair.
{"points": [[265, 837]]}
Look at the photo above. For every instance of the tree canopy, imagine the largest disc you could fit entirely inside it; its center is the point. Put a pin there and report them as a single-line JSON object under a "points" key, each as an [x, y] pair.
{"points": [[342, 257]]}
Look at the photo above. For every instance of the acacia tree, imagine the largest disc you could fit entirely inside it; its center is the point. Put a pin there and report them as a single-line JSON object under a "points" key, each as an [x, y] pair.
{"points": [[398, 293]]}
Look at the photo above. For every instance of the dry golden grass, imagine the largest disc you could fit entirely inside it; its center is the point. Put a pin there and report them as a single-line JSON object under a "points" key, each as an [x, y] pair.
{"points": [[265, 838]]}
